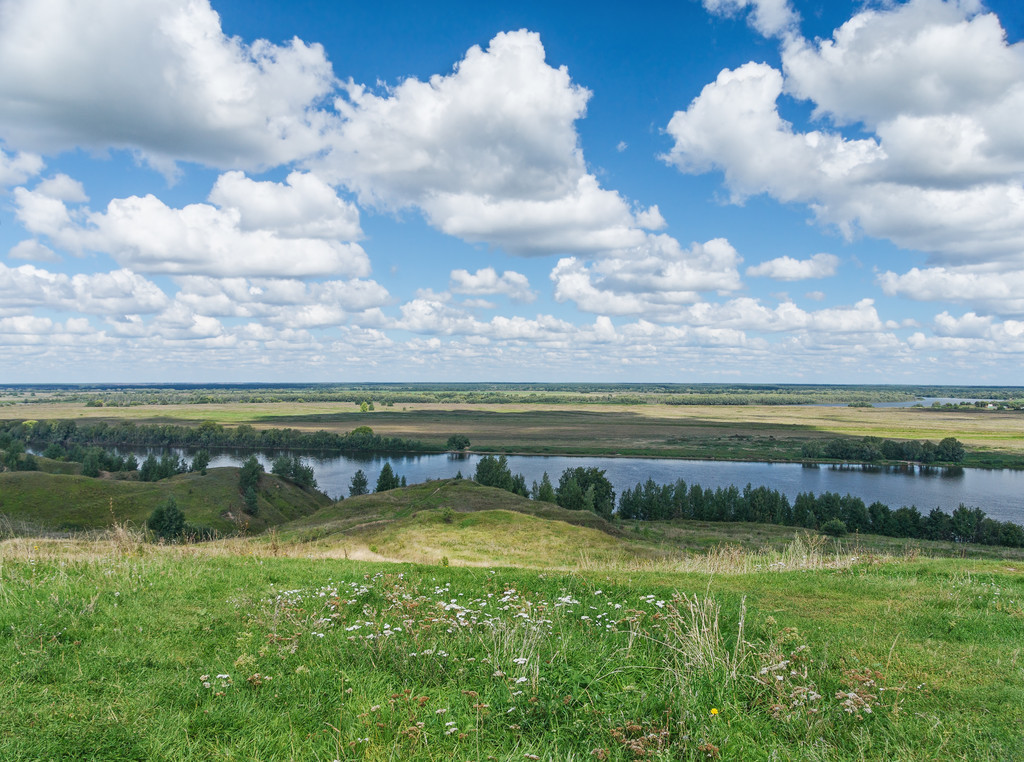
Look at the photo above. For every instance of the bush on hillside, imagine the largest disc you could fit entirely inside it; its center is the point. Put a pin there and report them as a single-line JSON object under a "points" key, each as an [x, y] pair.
{"points": [[834, 528], [167, 521]]}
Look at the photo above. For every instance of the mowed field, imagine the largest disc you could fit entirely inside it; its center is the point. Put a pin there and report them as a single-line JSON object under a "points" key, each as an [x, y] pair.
{"points": [[742, 432]]}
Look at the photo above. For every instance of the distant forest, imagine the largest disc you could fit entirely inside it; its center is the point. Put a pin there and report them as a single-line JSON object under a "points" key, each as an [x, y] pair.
{"points": [[207, 434], [388, 394]]}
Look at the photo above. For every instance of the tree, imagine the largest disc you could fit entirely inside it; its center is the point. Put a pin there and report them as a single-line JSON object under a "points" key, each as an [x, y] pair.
{"points": [[951, 450], [150, 469], [91, 464], [252, 505], [54, 451], [303, 474], [966, 522], [604, 494], [249, 476], [588, 499], [200, 462], [293, 469], [938, 525], [13, 454], [546, 491], [569, 494], [167, 520], [387, 479], [493, 472], [169, 466], [358, 485], [880, 518], [457, 442], [518, 486]]}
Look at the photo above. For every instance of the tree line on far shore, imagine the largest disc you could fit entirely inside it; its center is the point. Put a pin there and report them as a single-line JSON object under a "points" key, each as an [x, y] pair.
{"points": [[207, 434], [876, 449]]}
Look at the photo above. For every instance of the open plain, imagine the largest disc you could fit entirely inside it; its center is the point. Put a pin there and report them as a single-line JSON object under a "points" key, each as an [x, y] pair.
{"points": [[733, 432]]}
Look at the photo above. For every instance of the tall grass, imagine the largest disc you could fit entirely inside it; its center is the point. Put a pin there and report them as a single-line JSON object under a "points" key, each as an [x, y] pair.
{"points": [[806, 551]]}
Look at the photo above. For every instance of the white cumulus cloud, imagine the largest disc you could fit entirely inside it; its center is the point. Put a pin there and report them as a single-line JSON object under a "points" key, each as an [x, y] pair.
{"points": [[304, 206], [160, 78], [489, 153], [17, 168], [651, 280], [788, 268], [486, 281], [146, 235], [1000, 293], [937, 89], [113, 293], [769, 17], [281, 301], [32, 251]]}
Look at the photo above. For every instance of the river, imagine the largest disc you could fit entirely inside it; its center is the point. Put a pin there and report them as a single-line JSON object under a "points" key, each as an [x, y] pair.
{"points": [[1000, 493]]}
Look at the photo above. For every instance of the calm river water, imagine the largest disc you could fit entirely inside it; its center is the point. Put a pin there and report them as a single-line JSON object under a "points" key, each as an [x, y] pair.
{"points": [[999, 493]]}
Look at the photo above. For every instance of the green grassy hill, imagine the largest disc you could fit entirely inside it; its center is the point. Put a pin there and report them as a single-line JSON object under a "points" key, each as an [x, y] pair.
{"points": [[464, 522], [65, 502], [461, 495], [474, 525]]}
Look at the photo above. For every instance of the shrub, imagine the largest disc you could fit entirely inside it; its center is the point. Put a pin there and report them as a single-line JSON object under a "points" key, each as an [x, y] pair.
{"points": [[834, 528], [167, 521], [457, 442]]}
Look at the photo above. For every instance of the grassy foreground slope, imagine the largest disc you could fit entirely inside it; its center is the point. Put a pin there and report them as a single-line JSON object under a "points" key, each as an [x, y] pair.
{"points": [[542, 639], [118, 650], [70, 502]]}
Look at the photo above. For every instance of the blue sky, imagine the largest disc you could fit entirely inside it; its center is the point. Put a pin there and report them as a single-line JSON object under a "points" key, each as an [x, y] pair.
{"points": [[712, 190]]}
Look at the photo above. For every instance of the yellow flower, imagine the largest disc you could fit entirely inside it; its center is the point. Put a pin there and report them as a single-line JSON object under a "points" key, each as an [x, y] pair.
{"points": [[713, 711]]}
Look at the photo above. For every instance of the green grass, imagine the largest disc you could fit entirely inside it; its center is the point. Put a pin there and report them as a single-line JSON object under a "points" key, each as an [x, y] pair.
{"points": [[113, 651], [409, 524], [69, 503]]}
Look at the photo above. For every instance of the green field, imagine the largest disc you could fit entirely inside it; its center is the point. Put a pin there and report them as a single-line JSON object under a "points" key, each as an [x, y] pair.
{"points": [[522, 632], [994, 438]]}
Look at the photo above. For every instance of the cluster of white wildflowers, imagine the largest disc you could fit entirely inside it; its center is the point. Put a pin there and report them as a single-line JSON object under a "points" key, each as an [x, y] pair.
{"points": [[388, 606], [218, 684]]}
